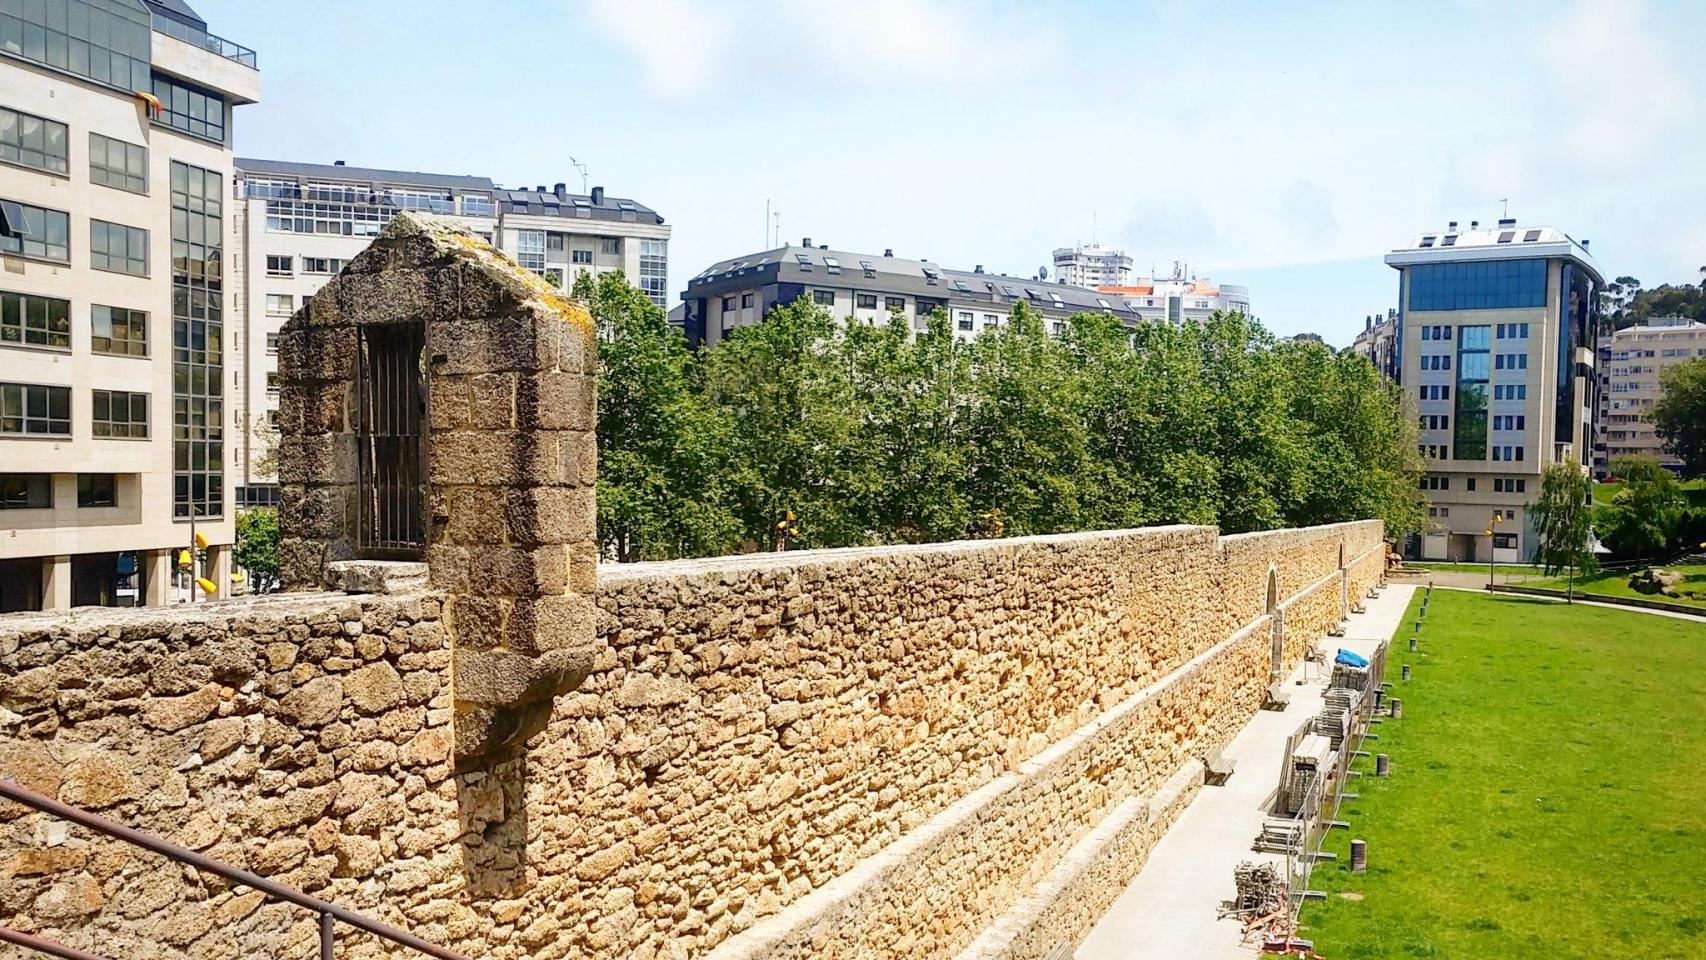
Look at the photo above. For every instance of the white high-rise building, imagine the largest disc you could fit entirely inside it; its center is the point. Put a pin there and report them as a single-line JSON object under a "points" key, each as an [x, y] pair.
{"points": [[1092, 266], [115, 168]]}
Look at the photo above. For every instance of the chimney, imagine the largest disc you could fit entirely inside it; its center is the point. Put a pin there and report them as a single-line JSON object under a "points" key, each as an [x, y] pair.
{"points": [[1367, 324], [978, 269], [597, 196], [1508, 222], [806, 242], [1585, 244], [888, 251], [561, 189], [1452, 225], [337, 163], [823, 246], [1474, 223]]}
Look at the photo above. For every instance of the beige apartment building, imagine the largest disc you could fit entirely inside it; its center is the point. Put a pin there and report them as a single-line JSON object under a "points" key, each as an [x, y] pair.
{"points": [[115, 165], [1631, 362], [1495, 343]]}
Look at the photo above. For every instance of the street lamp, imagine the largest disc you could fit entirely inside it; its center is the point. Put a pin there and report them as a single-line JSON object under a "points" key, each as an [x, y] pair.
{"points": [[1491, 525]]}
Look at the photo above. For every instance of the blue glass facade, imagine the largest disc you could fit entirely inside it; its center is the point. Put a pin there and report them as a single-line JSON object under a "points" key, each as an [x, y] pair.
{"points": [[1477, 285], [1469, 441]]}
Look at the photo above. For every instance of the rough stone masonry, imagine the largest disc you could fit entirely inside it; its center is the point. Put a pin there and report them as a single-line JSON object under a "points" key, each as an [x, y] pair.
{"points": [[912, 752]]}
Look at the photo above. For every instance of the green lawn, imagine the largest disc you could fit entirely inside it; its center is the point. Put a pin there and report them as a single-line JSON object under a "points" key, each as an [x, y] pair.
{"points": [[1504, 569], [1693, 490], [1546, 797], [1693, 587]]}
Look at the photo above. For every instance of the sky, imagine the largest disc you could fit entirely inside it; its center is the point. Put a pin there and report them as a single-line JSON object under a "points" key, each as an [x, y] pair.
{"points": [[1283, 146]]}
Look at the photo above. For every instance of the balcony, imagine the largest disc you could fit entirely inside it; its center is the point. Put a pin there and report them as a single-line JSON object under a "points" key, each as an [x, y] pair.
{"points": [[235, 52]]}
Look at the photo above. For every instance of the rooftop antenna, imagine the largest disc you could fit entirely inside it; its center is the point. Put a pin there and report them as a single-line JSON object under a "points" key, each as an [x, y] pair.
{"points": [[1092, 228], [1505, 208], [580, 168]]}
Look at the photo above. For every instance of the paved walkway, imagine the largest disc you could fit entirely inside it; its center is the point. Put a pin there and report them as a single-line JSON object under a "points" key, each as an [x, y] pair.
{"points": [[1169, 910]]}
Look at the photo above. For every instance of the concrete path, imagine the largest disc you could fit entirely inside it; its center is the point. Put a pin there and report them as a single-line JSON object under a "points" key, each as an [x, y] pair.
{"points": [[1169, 909]]}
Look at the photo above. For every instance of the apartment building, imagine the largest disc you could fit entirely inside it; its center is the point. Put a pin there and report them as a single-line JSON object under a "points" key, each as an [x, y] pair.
{"points": [[1631, 362], [297, 224], [115, 165], [867, 288], [561, 235], [1092, 266], [1181, 296], [1378, 341], [1495, 342]]}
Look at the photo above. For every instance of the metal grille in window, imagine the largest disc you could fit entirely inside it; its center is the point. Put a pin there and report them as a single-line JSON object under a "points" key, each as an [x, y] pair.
{"points": [[390, 411]]}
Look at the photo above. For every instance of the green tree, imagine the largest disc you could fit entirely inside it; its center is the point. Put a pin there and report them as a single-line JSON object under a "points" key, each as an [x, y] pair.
{"points": [[1563, 519], [1679, 416], [1027, 435], [256, 552], [663, 454], [1643, 518], [783, 387]]}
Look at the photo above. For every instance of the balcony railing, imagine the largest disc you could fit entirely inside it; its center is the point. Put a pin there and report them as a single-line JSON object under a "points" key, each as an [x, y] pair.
{"points": [[235, 52]]}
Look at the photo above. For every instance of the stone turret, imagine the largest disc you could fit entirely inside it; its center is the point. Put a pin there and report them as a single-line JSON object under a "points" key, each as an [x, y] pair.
{"points": [[438, 405]]}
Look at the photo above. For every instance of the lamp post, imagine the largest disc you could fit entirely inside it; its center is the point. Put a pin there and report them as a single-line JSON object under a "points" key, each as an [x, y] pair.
{"points": [[1491, 526]]}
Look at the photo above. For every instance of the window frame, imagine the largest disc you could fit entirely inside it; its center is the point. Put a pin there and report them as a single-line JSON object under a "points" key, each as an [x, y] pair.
{"points": [[103, 259], [32, 483], [128, 182], [24, 417], [88, 496], [111, 428], [18, 318], [131, 322], [23, 249], [46, 125]]}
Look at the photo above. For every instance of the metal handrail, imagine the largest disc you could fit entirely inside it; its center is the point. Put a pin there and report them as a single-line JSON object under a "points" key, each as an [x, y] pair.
{"points": [[52, 948], [328, 912], [229, 49]]}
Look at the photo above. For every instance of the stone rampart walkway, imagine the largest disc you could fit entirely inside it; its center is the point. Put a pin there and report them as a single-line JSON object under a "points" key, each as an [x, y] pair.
{"points": [[1169, 910]]}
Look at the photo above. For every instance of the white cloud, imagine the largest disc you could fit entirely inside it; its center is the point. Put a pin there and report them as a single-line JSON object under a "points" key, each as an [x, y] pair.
{"points": [[687, 50], [1615, 86]]}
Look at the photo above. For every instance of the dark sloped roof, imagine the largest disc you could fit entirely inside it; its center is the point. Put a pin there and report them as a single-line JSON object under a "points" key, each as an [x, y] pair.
{"points": [[178, 10], [329, 171], [550, 204]]}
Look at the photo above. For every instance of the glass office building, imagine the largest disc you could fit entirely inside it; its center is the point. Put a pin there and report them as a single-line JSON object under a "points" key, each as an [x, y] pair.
{"points": [[1496, 330]]}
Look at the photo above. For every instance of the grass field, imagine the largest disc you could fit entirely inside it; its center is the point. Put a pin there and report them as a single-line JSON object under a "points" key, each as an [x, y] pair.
{"points": [[1693, 490], [1693, 587], [1546, 793]]}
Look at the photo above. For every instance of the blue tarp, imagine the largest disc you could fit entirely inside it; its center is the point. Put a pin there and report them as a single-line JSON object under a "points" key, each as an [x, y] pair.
{"points": [[1350, 659]]}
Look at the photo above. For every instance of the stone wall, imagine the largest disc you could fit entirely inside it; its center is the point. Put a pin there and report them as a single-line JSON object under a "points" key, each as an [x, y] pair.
{"points": [[877, 753]]}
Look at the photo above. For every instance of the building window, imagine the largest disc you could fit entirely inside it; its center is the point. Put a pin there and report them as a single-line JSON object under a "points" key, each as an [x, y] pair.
{"points": [[434, 201], [45, 235], [118, 248], [477, 206], [1470, 439], [280, 304], [322, 264], [894, 303], [272, 344], [866, 301], [105, 42], [610, 246], [198, 343], [556, 241], [1432, 482], [35, 142], [824, 297], [117, 164], [120, 415], [654, 270], [26, 491], [97, 490], [278, 266], [189, 108], [1480, 285], [118, 331], [1504, 541], [32, 321], [530, 250], [965, 321], [728, 304], [32, 408], [580, 256], [272, 383], [746, 300], [992, 320]]}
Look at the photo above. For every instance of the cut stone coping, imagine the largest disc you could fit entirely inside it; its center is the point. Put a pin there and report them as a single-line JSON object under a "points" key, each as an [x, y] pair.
{"points": [[377, 576]]}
